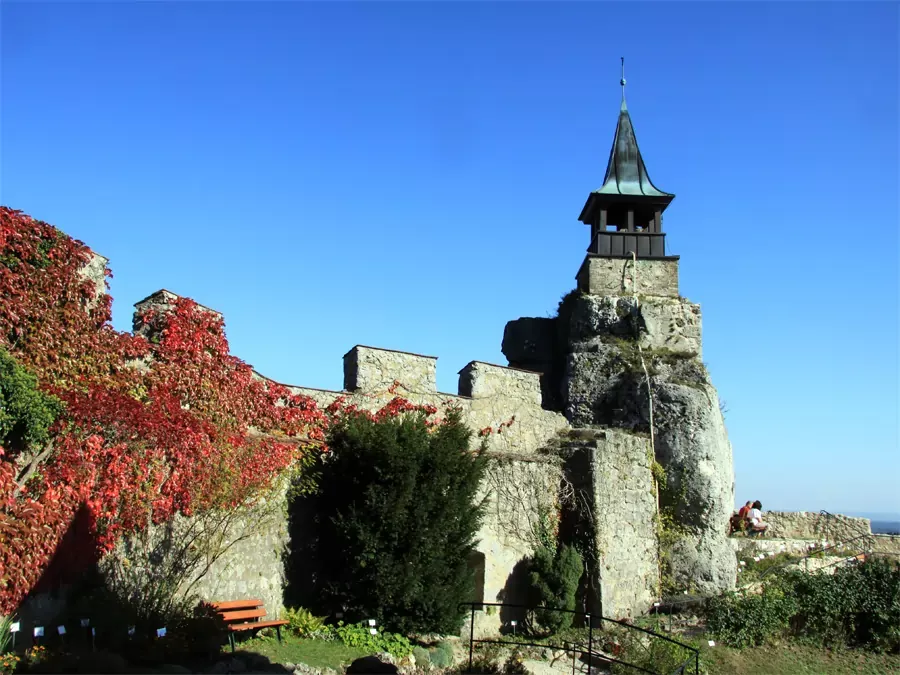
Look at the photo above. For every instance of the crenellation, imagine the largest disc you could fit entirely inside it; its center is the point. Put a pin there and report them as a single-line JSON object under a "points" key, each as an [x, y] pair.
{"points": [[483, 380], [372, 369]]}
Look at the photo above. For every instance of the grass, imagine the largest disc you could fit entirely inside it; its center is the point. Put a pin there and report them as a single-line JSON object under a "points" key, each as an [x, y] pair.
{"points": [[794, 659], [316, 653]]}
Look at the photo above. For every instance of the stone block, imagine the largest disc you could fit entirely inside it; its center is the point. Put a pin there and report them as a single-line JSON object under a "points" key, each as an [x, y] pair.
{"points": [[529, 342], [615, 276], [369, 369], [484, 380]]}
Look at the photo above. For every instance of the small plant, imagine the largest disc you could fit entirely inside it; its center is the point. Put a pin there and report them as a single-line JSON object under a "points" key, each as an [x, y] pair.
{"points": [[35, 655], [361, 636], [5, 634], [8, 663], [650, 653], [423, 658], [442, 655], [302, 622]]}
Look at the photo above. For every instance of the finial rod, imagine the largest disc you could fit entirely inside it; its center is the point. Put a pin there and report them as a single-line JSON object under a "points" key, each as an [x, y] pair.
{"points": [[622, 81]]}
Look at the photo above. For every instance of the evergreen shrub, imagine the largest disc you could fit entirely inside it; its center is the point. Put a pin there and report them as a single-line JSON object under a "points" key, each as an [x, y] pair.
{"points": [[553, 580], [397, 519]]}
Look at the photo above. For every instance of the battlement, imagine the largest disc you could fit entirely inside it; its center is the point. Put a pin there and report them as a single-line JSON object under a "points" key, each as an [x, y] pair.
{"points": [[487, 380], [372, 369]]}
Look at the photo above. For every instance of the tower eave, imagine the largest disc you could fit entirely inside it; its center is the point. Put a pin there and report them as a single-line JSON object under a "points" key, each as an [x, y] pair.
{"points": [[597, 198]]}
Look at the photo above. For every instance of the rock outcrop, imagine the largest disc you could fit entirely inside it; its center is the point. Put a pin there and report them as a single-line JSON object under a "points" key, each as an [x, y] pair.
{"points": [[593, 369]]}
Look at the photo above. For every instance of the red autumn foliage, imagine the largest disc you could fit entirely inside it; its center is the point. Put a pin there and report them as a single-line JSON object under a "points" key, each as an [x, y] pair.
{"points": [[150, 429]]}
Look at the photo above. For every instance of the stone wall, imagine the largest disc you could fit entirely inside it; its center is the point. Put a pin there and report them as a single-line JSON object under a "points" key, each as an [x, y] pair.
{"points": [[242, 554], [615, 276], [515, 491], [812, 525], [253, 567], [370, 369], [95, 272], [624, 512], [489, 395]]}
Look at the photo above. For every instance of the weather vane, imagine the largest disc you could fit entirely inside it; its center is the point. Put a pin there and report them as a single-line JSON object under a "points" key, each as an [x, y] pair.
{"points": [[622, 81]]}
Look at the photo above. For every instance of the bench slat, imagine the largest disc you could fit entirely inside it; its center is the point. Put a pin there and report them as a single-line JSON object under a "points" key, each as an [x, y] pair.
{"points": [[259, 624], [237, 604], [244, 614]]}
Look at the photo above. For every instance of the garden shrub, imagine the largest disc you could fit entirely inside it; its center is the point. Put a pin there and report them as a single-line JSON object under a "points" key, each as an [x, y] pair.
{"points": [[553, 582], [397, 519], [857, 606], [442, 655], [750, 620], [650, 653], [422, 656]]}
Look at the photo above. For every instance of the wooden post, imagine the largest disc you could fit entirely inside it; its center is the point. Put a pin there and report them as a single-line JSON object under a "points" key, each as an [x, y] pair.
{"points": [[657, 221], [630, 220], [603, 220]]}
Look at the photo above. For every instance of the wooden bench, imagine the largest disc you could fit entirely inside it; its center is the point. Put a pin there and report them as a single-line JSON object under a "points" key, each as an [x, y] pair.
{"points": [[240, 615]]}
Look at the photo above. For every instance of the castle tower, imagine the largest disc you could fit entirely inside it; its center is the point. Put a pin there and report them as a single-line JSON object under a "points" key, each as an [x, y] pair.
{"points": [[625, 217], [622, 360]]}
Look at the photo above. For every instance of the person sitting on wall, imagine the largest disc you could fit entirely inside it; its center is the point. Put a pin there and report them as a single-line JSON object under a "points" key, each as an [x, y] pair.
{"points": [[757, 526], [738, 522]]}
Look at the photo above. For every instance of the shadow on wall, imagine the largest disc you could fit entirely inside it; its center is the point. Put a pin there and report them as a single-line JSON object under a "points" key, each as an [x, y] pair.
{"points": [[515, 592], [476, 564], [72, 565], [302, 558]]}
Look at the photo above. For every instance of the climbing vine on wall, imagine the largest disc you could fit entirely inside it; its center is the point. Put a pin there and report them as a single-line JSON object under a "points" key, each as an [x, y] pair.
{"points": [[145, 430]]}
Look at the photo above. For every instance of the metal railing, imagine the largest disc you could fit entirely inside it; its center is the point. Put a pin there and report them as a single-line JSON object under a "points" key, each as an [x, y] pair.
{"points": [[579, 648], [822, 550]]}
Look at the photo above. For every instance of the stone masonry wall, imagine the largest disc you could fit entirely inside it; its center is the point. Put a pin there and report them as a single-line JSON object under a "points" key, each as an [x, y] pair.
{"points": [[254, 566], [615, 276], [369, 369], [245, 558], [624, 512], [811, 525], [489, 395], [516, 490]]}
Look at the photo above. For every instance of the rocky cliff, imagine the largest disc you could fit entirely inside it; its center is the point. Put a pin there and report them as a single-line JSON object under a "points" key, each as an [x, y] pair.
{"points": [[590, 358]]}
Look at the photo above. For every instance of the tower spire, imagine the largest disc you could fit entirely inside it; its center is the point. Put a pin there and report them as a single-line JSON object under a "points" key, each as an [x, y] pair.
{"points": [[622, 82]]}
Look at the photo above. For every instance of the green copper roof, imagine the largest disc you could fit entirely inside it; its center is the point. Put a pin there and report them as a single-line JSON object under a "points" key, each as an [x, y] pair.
{"points": [[626, 173]]}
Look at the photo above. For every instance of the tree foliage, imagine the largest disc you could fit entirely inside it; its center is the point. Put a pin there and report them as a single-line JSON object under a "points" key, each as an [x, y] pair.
{"points": [[398, 516], [553, 582]]}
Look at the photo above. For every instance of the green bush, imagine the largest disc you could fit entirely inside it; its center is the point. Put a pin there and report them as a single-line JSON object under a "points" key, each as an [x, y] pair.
{"points": [[750, 620], [858, 606], [650, 653], [553, 580], [397, 520], [442, 655], [302, 622], [26, 413], [422, 656], [361, 636]]}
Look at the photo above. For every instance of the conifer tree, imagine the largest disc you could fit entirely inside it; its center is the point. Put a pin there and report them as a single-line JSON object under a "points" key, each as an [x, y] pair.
{"points": [[397, 519]]}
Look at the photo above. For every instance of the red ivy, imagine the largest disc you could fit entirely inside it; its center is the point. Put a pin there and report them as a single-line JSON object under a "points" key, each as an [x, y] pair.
{"points": [[149, 429]]}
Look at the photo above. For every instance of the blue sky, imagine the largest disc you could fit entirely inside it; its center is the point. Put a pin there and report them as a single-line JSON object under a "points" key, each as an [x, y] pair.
{"points": [[410, 175]]}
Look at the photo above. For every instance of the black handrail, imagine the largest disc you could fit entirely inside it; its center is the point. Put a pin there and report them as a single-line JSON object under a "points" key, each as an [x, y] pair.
{"points": [[591, 654], [817, 551]]}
